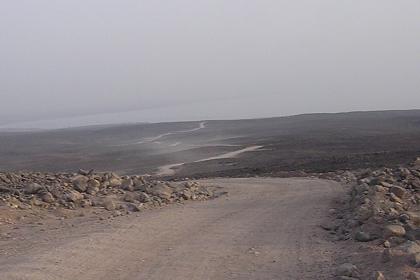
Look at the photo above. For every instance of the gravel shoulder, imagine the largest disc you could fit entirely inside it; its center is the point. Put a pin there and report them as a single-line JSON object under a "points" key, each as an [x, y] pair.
{"points": [[264, 229]]}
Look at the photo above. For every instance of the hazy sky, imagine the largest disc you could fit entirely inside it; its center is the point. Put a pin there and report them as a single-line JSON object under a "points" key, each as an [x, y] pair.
{"points": [[196, 59]]}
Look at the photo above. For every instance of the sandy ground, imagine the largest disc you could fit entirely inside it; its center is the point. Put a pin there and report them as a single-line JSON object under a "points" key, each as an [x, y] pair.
{"points": [[168, 169], [264, 229]]}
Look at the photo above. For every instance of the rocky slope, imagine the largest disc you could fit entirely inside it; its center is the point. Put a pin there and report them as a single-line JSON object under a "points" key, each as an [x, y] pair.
{"points": [[382, 210]]}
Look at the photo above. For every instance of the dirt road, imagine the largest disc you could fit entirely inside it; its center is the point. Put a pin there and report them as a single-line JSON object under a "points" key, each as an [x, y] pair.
{"points": [[264, 229], [168, 170]]}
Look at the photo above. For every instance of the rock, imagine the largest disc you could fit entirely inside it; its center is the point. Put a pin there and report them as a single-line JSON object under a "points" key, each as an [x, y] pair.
{"points": [[47, 197], [73, 196], [363, 236], [132, 207], [378, 276], [117, 213], [413, 234], [415, 259], [414, 217], [348, 270], [415, 184], [393, 230], [85, 172], [386, 185], [386, 255], [409, 247], [163, 191], [413, 276], [14, 203], [114, 182], [188, 194], [92, 190], [109, 204], [129, 197], [387, 244], [398, 191], [404, 218], [80, 183], [364, 213], [395, 198], [143, 197], [94, 184], [127, 184], [33, 188], [36, 202], [4, 189]]}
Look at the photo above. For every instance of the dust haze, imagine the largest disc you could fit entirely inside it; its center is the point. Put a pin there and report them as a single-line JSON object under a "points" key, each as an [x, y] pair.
{"points": [[86, 62]]}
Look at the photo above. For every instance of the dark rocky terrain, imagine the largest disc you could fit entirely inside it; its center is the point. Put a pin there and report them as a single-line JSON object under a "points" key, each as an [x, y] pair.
{"points": [[311, 143]]}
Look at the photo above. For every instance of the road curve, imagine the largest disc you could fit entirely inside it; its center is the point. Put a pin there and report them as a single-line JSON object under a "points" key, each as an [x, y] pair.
{"points": [[168, 169], [264, 229]]}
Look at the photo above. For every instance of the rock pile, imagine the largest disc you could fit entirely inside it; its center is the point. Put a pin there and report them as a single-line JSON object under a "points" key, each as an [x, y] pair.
{"points": [[26, 190], [383, 207]]}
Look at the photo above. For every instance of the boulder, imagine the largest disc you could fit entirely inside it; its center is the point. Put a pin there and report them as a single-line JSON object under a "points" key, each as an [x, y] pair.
{"points": [[80, 183]]}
